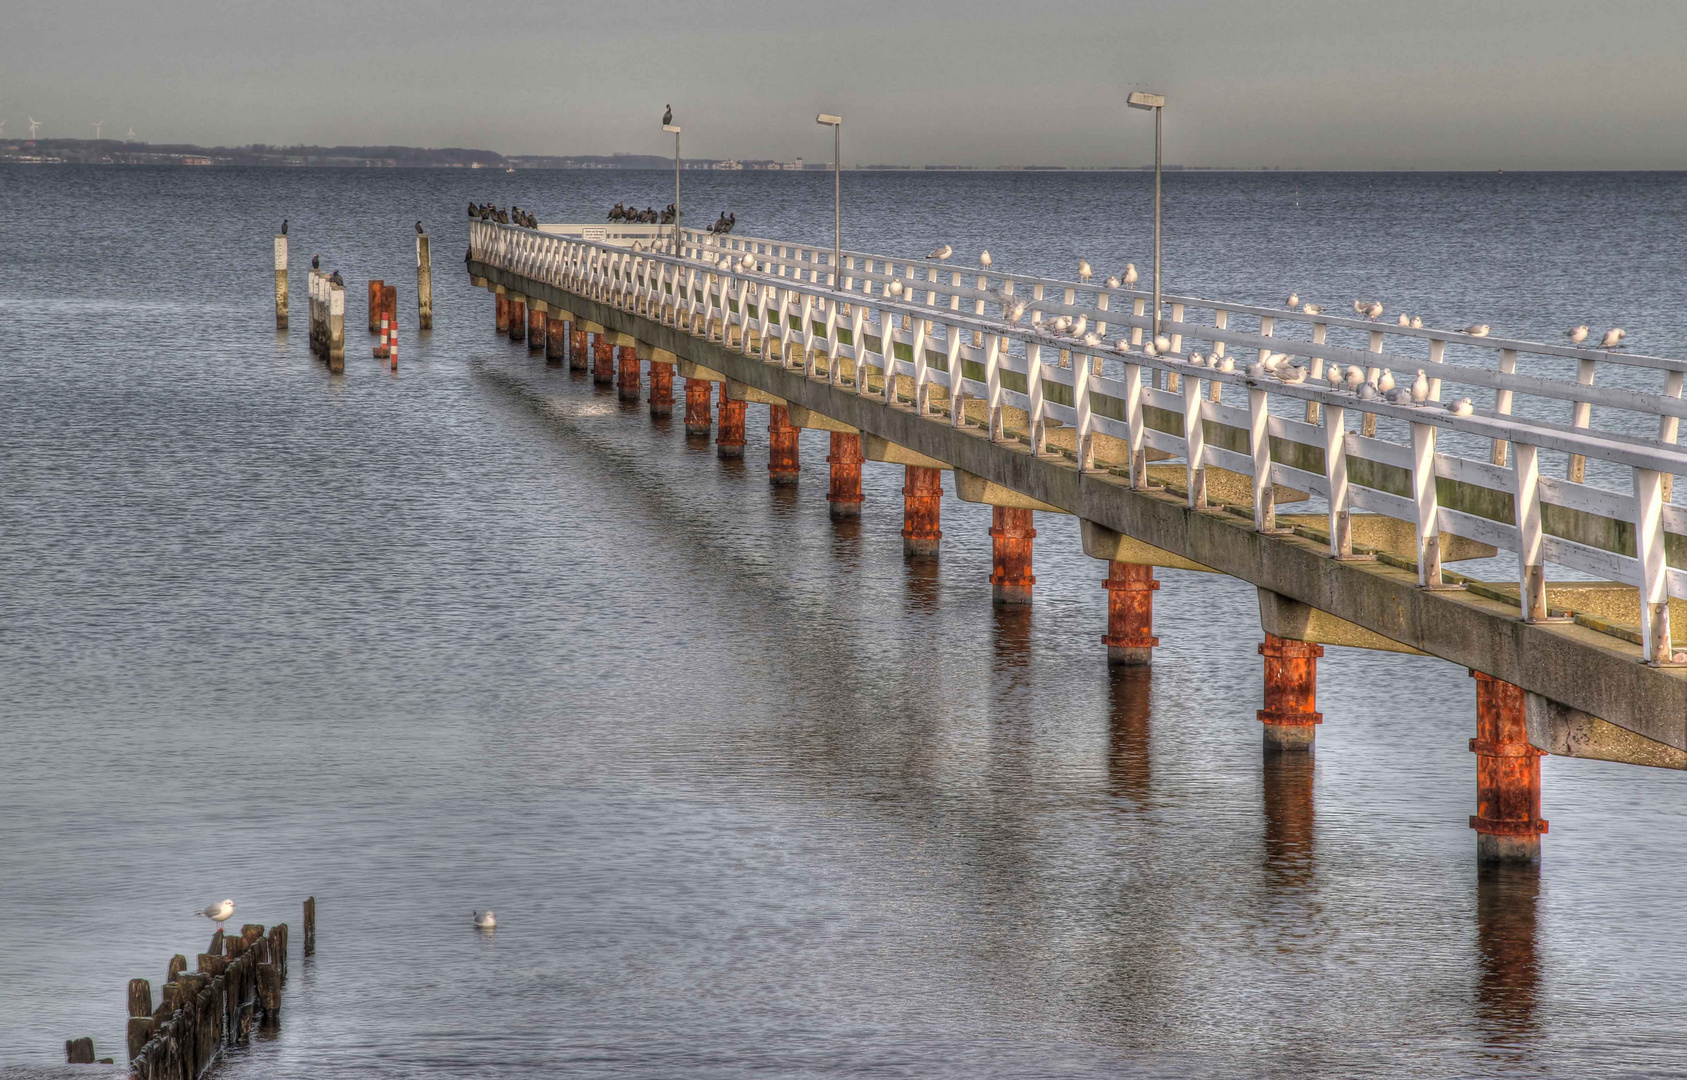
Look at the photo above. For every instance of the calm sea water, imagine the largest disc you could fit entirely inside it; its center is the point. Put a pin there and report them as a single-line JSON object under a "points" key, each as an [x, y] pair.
{"points": [[748, 793]]}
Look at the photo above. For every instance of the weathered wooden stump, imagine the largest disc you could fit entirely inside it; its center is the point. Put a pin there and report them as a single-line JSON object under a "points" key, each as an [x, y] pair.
{"points": [[79, 1051], [178, 964], [310, 926], [140, 997]]}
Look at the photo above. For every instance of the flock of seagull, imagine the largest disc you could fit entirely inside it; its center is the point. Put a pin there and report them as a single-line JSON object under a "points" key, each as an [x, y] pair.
{"points": [[219, 913]]}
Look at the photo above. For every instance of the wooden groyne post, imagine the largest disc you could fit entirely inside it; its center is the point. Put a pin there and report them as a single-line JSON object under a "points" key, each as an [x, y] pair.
{"points": [[281, 281], [237, 985], [375, 285], [424, 284]]}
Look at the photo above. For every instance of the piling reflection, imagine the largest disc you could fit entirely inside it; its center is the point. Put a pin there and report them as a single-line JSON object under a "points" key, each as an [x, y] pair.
{"points": [[1128, 731], [1011, 637], [923, 584], [1290, 860], [1509, 981]]}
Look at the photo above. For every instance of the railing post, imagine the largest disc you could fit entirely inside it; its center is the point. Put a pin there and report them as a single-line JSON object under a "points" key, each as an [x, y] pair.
{"points": [[1335, 475], [1580, 413], [1319, 332], [1368, 427], [1034, 387], [1669, 427], [1134, 426], [993, 394], [1194, 443], [1526, 492], [1428, 506], [1259, 442], [1655, 645], [1081, 378]]}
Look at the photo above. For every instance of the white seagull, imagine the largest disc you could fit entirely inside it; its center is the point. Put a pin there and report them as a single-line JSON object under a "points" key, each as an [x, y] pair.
{"points": [[219, 913], [1130, 274], [1333, 375], [1420, 388], [1385, 382], [1078, 327], [1374, 310], [1417, 322], [1404, 319], [895, 287], [984, 258], [1462, 407], [1578, 335], [1293, 301], [485, 920], [1355, 377], [1310, 309], [1163, 344], [1084, 271], [1613, 338], [1478, 329], [1292, 375], [1113, 282], [941, 253]]}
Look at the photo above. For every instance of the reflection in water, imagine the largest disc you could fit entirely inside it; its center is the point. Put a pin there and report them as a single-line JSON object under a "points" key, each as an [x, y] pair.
{"points": [[1012, 635], [1289, 857], [1128, 730], [1506, 898], [786, 500], [923, 584]]}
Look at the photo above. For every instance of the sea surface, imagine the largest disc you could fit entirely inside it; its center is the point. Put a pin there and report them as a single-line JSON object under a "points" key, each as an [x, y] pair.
{"points": [[749, 794]]}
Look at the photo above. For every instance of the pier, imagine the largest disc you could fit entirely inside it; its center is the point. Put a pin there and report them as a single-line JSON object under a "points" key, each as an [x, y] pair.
{"points": [[1181, 451]]}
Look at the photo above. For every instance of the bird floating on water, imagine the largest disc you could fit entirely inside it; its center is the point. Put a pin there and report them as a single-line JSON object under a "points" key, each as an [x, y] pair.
{"points": [[219, 913], [1084, 271], [942, 252], [485, 920], [1578, 335], [1478, 329], [984, 258], [1613, 337]]}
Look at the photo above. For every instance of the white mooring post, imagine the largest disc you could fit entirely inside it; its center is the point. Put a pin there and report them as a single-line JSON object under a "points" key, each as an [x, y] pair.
{"points": [[281, 281]]}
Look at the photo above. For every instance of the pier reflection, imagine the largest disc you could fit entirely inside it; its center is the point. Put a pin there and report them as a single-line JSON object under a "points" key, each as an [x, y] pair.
{"points": [[924, 584], [1011, 638], [1508, 985], [1289, 856], [1128, 732]]}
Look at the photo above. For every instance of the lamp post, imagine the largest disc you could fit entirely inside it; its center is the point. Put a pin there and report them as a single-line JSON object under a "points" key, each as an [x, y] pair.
{"points": [[836, 124], [675, 128], [1157, 102]]}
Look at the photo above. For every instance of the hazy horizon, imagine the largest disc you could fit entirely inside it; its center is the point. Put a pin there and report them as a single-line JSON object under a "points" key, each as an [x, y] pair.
{"points": [[1313, 85]]}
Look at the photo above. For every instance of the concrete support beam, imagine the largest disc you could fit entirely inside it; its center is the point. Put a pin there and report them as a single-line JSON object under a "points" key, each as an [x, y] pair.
{"points": [[1101, 542], [1011, 535], [1291, 619], [1130, 636], [845, 460], [1566, 732], [975, 489], [1291, 712], [1508, 819], [1396, 536], [689, 370], [738, 391], [808, 418], [879, 449], [922, 509]]}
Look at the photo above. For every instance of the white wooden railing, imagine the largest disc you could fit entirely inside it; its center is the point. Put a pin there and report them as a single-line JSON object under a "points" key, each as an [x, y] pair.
{"points": [[953, 329]]}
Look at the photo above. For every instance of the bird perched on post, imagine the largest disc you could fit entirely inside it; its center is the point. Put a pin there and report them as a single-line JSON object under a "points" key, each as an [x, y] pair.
{"points": [[1084, 271], [984, 259], [1129, 277], [1478, 329], [1293, 301], [283, 226], [419, 229], [219, 913], [667, 118], [1310, 309], [1420, 388], [941, 252], [336, 279], [1374, 310], [1613, 338], [315, 263], [1578, 335]]}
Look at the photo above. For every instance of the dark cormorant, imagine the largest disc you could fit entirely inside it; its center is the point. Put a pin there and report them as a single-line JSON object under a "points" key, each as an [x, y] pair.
{"points": [[418, 228], [667, 115], [283, 226], [315, 263]]}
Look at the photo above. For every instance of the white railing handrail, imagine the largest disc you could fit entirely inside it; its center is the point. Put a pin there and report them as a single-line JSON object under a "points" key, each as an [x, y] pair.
{"points": [[698, 286]]}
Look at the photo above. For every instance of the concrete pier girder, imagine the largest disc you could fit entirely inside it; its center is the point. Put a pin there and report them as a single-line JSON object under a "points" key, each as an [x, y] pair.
{"points": [[1574, 666]]}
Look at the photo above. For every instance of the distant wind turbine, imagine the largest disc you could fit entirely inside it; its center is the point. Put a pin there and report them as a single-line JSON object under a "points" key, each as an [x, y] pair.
{"points": [[99, 129], [34, 126], [131, 134]]}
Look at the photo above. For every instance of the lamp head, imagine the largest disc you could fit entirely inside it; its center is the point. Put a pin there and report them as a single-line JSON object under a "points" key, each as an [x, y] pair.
{"points": [[673, 128], [1139, 100], [829, 120]]}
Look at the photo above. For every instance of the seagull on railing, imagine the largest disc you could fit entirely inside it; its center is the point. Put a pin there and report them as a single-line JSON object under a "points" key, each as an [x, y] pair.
{"points": [[1130, 274], [895, 287], [1613, 338], [1374, 311], [1291, 374], [1293, 301], [1084, 271], [984, 259], [1420, 388], [1015, 313], [1355, 378], [1385, 381], [1310, 309], [1163, 344], [1092, 339], [1578, 335], [1417, 322], [1404, 319], [1478, 329], [1333, 374], [1462, 407], [219, 913], [1359, 307], [1078, 327], [1113, 282], [1227, 365], [1400, 395], [941, 252]]}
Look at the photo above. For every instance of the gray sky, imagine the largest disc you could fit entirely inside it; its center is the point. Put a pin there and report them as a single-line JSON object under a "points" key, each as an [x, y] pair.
{"points": [[1434, 84]]}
